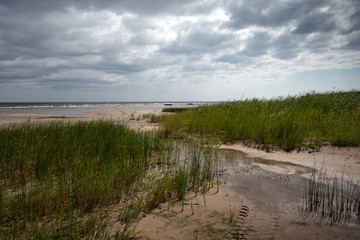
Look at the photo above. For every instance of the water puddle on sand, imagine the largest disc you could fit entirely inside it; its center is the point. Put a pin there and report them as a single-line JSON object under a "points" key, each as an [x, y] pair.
{"points": [[235, 162], [267, 183]]}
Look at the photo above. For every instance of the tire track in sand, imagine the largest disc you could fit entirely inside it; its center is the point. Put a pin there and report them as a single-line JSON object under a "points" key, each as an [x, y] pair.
{"points": [[250, 225]]}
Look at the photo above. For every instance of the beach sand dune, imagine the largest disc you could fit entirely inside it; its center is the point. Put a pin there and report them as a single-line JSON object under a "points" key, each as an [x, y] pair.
{"points": [[255, 205]]}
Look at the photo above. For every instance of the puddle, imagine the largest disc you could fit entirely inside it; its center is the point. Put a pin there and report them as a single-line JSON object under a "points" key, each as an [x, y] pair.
{"points": [[236, 162], [267, 183]]}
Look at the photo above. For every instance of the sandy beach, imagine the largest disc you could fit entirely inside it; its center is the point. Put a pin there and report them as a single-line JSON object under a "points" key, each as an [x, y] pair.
{"points": [[262, 201], [132, 118]]}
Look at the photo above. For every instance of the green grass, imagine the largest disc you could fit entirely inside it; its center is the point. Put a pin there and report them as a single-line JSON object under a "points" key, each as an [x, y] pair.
{"points": [[308, 120], [334, 199], [174, 110], [63, 180], [151, 117]]}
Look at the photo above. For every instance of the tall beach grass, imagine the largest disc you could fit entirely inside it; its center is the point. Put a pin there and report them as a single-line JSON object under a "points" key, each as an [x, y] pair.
{"points": [[307, 120], [63, 180]]}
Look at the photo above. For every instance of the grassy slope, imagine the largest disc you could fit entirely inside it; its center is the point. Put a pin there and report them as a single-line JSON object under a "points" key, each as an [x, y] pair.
{"points": [[288, 123]]}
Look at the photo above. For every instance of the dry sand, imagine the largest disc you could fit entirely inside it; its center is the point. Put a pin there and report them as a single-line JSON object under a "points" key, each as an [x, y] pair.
{"points": [[253, 218], [265, 203], [133, 118]]}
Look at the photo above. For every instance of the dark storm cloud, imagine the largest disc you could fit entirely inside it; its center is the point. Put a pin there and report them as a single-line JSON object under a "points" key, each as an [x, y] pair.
{"points": [[316, 22], [196, 43], [27, 33], [119, 42], [285, 47], [354, 22], [236, 58], [18, 76], [307, 16], [146, 7], [76, 82], [205, 39], [136, 24], [353, 42], [269, 13], [22, 35], [255, 46], [118, 68]]}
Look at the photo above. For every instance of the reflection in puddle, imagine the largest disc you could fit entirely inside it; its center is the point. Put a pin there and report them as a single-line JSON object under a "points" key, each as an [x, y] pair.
{"points": [[237, 162], [266, 183]]}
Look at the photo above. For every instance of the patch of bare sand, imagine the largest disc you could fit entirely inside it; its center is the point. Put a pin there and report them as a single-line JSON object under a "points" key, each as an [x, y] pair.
{"points": [[135, 119], [200, 219], [235, 213], [20, 118], [337, 160]]}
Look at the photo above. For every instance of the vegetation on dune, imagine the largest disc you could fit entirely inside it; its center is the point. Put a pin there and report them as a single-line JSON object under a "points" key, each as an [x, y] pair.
{"points": [[288, 123], [64, 180], [74, 180], [175, 110], [151, 117]]}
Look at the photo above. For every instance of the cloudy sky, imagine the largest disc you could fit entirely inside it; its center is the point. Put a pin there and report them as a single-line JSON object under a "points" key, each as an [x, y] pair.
{"points": [[167, 50]]}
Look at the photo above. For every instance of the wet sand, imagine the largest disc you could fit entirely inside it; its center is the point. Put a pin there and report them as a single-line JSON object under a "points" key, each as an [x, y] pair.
{"points": [[337, 161], [265, 205]]}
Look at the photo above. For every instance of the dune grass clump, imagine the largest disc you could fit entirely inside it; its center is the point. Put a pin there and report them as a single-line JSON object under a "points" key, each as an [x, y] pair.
{"points": [[307, 120], [334, 199], [151, 117], [174, 110], [63, 180]]}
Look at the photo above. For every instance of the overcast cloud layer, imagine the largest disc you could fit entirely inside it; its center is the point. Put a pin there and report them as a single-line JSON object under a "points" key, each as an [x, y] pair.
{"points": [[98, 50]]}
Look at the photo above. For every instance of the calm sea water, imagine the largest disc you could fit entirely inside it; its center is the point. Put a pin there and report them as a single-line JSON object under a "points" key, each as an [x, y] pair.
{"points": [[79, 108]]}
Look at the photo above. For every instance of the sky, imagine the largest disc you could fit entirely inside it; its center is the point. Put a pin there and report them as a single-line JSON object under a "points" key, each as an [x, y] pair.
{"points": [[176, 50]]}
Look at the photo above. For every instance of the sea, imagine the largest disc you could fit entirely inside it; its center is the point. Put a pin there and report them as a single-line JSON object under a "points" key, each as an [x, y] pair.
{"points": [[80, 108]]}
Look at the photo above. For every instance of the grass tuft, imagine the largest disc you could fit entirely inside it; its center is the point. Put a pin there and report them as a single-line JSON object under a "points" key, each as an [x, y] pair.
{"points": [[334, 199]]}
